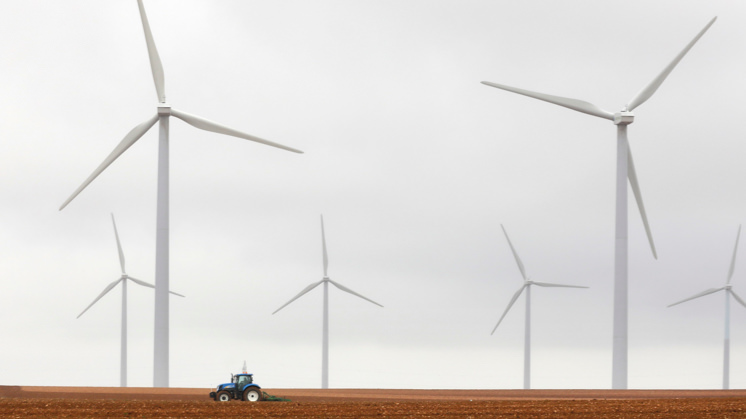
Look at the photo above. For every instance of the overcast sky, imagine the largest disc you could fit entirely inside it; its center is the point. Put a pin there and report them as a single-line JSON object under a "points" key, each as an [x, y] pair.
{"points": [[414, 165]]}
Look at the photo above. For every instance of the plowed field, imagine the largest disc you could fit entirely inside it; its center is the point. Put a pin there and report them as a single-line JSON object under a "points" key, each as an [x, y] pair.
{"points": [[81, 402]]}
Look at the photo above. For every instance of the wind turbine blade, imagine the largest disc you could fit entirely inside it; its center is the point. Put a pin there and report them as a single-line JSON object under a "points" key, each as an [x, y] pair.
{"points": [[119, 245], [632, 176], [701, 294], [123, 145], [648, 90], [145, 284], [510, 304], [733, 260], [515, 254], [574, 104], [208, 125], [345, 289], [323, 245], [107, 289], [139, 282], [738, 298], [155, 60], [300, 294], [546, 284]]}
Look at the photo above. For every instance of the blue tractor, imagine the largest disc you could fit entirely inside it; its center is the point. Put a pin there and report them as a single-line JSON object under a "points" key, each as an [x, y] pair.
{"points": [[241, 387]]}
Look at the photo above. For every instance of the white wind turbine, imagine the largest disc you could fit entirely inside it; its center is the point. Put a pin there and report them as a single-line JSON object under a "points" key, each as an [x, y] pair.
{"points": [[123, 280], [527, 282], [625, 170], [728, 292], [161, 345], [325, 328]]}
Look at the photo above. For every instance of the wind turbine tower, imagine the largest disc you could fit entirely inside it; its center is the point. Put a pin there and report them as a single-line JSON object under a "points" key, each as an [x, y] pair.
{"points": [[325, 328], [527, 283], [728, 288], [123, 280], [625, 169], [165, 111]]}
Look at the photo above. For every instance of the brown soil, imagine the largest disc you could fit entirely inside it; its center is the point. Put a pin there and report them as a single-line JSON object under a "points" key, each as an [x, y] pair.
{"points": [[90, 402]]}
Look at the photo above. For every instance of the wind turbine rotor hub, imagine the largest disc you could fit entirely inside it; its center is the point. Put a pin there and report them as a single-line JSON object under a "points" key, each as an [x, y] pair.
{"points": [[164, 109], [624, 118]]}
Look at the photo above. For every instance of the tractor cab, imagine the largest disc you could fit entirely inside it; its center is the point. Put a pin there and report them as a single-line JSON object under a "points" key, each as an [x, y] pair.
{"points": [[242, 380]]}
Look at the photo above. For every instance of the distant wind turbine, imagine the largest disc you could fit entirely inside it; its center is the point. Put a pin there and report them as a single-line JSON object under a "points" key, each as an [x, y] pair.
{"points": [[527, 282], [161, 346], [728, 288], [325, 333], [625, 170], [123, 279]]}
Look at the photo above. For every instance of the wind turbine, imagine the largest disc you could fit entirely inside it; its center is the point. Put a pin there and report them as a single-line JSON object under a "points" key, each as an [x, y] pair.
{"points": [[325, 329], [527, 282], [123, 280], [625, 170], [728, 292], [161, 345]]}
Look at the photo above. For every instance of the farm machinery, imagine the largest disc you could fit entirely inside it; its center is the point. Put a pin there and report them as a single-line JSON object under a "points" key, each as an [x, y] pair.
{"points": [[241, 387]]}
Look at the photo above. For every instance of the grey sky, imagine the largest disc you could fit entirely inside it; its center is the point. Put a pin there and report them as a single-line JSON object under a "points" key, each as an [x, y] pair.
{"points": [[414, 165]]}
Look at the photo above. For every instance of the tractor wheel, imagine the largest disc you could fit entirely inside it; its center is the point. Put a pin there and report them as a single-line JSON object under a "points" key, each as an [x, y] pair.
{"points": [[223, 396], [252, 394]]}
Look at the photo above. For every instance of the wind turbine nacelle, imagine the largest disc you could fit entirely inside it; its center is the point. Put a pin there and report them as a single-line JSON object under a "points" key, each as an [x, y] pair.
{"points": [[624, 118], [164, 109]]}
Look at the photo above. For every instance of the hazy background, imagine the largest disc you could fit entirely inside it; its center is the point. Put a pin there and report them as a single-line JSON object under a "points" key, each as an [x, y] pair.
{"points": [[414, 165]]}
